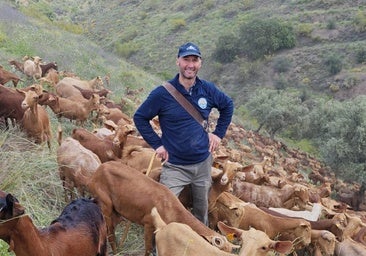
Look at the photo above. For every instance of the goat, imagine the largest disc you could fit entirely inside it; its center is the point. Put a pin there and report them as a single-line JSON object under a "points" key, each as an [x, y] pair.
{"points": [[10, 105], [180, 239], [17, 65], [123, 191], [240, 214], [46, 67], [349, 247], [79, 230], [113, 114], [7, 76], [74, 160], [255, 242], [109, 148], [32, 68], [51, 77], [87, 93], [35, 121], [71, 109]]}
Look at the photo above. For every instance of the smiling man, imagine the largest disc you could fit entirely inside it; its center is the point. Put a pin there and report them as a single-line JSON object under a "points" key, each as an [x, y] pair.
{"points": [[185, 145]]}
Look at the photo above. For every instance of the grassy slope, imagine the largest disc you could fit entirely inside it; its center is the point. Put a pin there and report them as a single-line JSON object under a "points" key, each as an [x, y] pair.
{"points": [[152, 27]]}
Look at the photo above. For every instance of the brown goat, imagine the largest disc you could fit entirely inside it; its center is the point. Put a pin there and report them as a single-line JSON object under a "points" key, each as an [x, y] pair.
{"points": [[36, 122], [88, 93], [71, 109], [123, 191], [79, 230], [46, 67], [113, 114], [17, 65], [107, 149], [7, 76], [10, 105]]}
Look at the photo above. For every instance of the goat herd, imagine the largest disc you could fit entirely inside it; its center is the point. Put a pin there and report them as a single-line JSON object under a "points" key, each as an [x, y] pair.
{"points": [[260, 203]]}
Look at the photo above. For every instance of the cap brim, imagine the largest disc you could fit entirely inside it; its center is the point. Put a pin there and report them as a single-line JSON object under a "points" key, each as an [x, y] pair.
{"points": [[190, 54]]}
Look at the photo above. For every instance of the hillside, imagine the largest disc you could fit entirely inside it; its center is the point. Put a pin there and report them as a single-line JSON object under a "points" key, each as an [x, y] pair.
{"points": [[147, 34], [135, 44]]}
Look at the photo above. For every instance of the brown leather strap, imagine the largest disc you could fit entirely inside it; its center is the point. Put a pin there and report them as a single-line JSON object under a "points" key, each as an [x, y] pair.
{"points": [[186, 105]]}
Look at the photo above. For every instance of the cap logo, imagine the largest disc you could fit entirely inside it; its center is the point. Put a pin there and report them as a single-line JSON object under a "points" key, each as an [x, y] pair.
{"points": [[191, 48]]}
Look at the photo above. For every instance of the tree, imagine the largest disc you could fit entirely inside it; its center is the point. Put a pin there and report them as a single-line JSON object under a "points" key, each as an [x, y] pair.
{"points": [[227, 48], [276, 110], [259, 37]]}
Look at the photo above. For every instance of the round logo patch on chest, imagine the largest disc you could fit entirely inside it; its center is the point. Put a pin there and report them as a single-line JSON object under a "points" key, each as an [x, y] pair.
{"points": [[202, 102]]}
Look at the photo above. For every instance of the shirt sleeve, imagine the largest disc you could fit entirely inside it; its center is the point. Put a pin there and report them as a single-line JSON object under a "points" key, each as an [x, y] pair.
{"points": [[225, 106], [146, 112]]}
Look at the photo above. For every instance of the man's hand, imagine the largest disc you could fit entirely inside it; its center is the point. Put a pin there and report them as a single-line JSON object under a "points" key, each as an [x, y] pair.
{"points": [[162, 153], [214, 141]]}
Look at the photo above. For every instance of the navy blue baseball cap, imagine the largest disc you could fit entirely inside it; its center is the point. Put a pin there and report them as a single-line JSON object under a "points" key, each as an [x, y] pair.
{"points": [[189, 49]]}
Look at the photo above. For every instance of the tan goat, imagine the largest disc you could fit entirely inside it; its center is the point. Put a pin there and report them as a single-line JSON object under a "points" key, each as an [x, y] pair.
{"points": [[75, 164], [267, 196], [36, 122], [113, 114], [32, 68], [124, 191], [240, 214], [73, 110], [180, 239]]}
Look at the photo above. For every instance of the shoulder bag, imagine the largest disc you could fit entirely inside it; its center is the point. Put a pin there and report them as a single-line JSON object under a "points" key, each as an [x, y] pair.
{"points": [[186, 105]]}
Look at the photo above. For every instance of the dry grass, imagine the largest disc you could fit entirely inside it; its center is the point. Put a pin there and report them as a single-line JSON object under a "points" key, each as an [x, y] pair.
{"points": [[29, 172]]}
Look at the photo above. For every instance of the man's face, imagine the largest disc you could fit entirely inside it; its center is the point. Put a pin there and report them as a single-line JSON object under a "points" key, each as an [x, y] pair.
{"points": [[189, 66]]}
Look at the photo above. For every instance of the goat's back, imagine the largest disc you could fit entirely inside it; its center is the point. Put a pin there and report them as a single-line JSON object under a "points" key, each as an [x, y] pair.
{"points": [[81, 216]]}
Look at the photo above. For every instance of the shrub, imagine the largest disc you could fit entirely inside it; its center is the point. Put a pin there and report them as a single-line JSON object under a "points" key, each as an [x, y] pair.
{"points": [[126, 50], [178, 23], [227, 48], [281, 64], [334, 64], [281, 82], [331, 24], [305, 29], [260, 37], [361, 56], [359, 21]]}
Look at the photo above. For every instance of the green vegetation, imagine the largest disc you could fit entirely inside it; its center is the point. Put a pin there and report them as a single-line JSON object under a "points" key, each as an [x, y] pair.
{"points": [[291, 67], [260, 37]]}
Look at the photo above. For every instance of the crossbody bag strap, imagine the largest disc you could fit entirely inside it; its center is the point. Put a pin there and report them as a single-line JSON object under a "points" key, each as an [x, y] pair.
{"points": [[186, 105]]}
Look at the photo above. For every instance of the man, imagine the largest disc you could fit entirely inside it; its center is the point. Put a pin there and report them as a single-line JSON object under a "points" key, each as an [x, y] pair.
{"points": [[185, 146]]}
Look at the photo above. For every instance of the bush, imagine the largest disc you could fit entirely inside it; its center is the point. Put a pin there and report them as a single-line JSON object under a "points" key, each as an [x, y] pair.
{"points": [[281, 64], [126, 50], [178, 23], [334, 64], [305, 29], [359, 21], [227, 48], [331, 24], [361, 56], [260, 37]]}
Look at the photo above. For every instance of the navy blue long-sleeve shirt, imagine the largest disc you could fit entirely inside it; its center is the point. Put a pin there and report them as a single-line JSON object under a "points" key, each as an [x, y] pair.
{"points": [[182, 136]]}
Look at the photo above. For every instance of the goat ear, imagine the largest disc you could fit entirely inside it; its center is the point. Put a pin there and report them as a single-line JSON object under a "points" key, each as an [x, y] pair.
{"points": [[13, 205], [284, 247], [20, 91]]}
